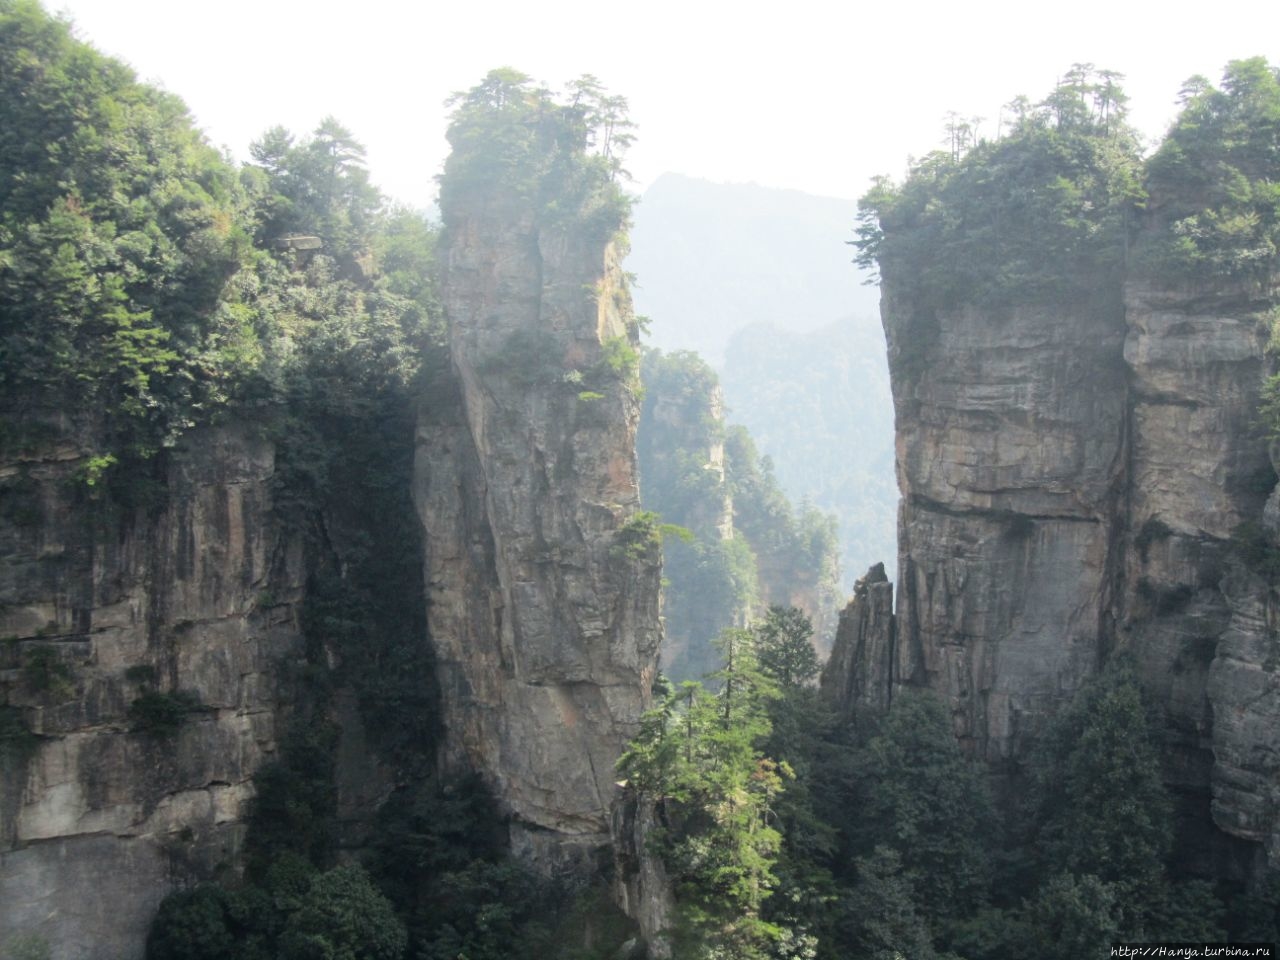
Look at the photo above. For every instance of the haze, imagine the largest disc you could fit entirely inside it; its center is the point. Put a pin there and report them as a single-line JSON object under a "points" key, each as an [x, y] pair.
{"points": [[818, 99]]}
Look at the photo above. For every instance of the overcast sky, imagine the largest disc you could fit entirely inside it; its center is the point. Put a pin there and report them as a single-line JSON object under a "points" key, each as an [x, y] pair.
{"points": [[815, 97]]}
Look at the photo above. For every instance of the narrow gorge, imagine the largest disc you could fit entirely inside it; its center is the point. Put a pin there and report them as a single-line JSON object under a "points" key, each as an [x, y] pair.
{"points": [[339, 548]]}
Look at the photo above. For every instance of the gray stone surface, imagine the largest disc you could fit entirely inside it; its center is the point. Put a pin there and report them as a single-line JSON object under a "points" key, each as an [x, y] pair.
{"points": [[858, 676], [545, 621], [1072, 481], [101, 821], [1010, 462]]}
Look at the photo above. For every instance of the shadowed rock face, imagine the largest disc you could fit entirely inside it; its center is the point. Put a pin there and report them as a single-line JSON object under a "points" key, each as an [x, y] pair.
{"points": [[97, 822], [1071, 478], [543, 611], [858, 674], [544, 608], [1011, 446]]}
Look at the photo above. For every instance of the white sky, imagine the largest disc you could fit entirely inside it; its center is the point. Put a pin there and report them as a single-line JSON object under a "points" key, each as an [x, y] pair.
{"points": [[815, 97]]}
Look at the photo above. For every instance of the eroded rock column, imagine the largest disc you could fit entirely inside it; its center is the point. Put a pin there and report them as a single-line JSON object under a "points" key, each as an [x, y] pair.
{"points": [[543, 595]]}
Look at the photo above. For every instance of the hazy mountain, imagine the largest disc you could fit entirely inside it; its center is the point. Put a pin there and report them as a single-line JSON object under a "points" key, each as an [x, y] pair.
{"points": [[818, 403], [757, 280], [712, 258]]}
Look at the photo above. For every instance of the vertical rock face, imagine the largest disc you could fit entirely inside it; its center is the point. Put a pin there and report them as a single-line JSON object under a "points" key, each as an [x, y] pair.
{"points": [[1073, 480], [543, 599], [1011, 441], [98, 821], [1199, 469], [858, 676]]}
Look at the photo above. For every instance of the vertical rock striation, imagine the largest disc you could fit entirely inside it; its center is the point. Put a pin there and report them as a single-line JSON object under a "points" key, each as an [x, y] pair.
{"points": [[1081, 449], [542, 592], [98, 821], [1011, 445], [1074, 479], [1198, 470], [858, 676]]}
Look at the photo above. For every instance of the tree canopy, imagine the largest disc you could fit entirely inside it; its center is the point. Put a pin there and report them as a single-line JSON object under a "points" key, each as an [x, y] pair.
{"points": [[1214, 189], [1043, 211], [562, 155]]}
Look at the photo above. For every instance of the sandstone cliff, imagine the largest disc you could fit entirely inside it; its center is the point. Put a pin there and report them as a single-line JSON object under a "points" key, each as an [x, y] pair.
{"points": [[542, 591], [99, 819], [857, 677], [1072, 480], [1080, 342]]}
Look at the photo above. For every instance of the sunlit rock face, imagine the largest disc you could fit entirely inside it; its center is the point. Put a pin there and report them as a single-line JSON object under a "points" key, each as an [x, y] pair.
{"points": [[1073, 478], [543, 603], [197, 593]]}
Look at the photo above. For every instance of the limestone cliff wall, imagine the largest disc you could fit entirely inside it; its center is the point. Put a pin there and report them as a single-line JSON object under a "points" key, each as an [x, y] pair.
{"points": [[543, 602], [1072, 478], [198, 595], [1192, 611]]}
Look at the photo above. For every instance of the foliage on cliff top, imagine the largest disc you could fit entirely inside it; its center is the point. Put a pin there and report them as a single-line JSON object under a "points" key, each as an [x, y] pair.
{"points": [[146, 282], [561, 154], [119, 227], [1041, 212], [1215, 181]]}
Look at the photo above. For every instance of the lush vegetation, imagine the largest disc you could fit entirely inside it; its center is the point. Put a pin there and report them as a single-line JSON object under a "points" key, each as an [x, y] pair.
{"points": [[152, 289], [147, 283], [1063, 203], [1212, 184], [562, 155], [790, 836], [149, 288], [834, 381], [775, 554], [1041, 213]]}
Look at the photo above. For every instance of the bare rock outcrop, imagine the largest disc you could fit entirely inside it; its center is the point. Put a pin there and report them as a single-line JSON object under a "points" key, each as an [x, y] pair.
{"points": [[858, 676], [1011, 443], [1075, 481], [543, 585], [194, 597]]}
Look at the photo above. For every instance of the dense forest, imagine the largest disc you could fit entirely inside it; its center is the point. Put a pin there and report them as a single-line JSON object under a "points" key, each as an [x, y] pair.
{"points": [[149, 286], [756, 281], [743, 547]]}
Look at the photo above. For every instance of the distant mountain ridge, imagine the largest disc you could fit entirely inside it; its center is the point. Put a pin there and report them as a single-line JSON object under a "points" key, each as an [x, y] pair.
{"points": [[712, 258], [760, 283]]}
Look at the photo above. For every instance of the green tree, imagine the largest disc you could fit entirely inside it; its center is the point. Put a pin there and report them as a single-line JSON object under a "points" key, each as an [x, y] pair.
{"points": [[877, 918], [192, 925], [699, 755], [1099, 802], [784, 646], [926, 802], [1214, 175], [1073, 918], [998, 224], [120, 229], [318, 186], [343, 917], [518, 141]]}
